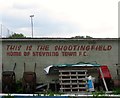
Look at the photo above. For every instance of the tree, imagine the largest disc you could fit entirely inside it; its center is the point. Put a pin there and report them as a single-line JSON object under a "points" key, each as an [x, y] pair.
{"points": [[15, 35], [82, 37], [78, 37], [89, 37]]}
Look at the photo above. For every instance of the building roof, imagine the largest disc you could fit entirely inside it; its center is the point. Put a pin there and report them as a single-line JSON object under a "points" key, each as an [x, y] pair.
{"points": [[58, 39]]}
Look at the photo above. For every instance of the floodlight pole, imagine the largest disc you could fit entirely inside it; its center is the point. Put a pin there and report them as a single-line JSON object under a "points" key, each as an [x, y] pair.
{"points": [[31, 16], [1, 30]]}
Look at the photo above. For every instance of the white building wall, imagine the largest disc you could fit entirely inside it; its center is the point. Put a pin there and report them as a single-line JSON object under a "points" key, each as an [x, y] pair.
{"points": [[106, 55]]}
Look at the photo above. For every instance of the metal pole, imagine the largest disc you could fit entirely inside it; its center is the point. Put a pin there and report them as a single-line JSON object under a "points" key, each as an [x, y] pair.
{"points": [[1, 30], [32, 24], [103, 79]]}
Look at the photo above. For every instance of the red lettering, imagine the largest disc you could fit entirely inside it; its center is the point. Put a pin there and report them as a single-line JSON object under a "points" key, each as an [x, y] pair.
{"points": [[84, 54], [70, 47], [82, 47], [14, 54], [8, 47], [80, 53], [75, 47], [58, 48], [92, 47], [109, 47], [45, 54], [26, 53], [99, 47], [104, 48], [65, 48], [43, 47], [14, 47], [69, 54], [88, 48], [29, 47]]}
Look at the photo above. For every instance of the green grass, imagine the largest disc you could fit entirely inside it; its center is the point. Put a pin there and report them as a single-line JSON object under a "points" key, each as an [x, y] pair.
{"points": [[116, 91]]}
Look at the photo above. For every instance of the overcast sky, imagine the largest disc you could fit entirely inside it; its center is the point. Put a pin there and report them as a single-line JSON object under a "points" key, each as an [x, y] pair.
{"points": [[60, 18]]}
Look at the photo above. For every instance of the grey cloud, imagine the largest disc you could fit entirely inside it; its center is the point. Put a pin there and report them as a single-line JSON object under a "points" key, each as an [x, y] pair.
{"points": [[14, 22], [43, 25], [56, 29]]}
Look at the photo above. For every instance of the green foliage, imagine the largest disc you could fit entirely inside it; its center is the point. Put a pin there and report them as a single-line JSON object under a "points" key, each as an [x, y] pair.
{"points": [[88, 37], [8, 96], [99, 94], [50, 93], [19, 86], [15, 35], [116, 91], [82, 37]]}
